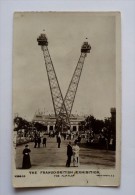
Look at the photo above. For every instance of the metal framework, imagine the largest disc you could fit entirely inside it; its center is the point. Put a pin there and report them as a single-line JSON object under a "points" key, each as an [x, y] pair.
{"points": [[62, 107], [72, 89], [57, 98]]}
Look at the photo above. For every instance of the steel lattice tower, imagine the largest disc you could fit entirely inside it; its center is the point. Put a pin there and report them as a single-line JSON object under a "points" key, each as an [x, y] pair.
{"points": [[62, 107], [57, 98], [72, 89]]}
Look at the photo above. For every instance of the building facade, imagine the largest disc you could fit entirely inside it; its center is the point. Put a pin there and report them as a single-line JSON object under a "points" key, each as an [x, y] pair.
{"points": [[49, 121]]}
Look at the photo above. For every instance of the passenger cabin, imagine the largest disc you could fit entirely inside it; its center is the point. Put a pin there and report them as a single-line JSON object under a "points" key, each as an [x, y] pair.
{"points": [[42, 40], [85, 48]]}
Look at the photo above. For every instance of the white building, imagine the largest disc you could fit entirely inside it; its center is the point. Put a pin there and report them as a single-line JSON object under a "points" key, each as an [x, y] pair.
{"points": [[50, 120]]}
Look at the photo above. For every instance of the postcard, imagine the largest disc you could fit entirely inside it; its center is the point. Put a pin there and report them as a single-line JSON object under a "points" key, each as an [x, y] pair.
{"points": [[66, 99]]}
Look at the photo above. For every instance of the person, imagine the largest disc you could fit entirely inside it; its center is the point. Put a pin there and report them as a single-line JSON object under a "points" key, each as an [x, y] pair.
{"points": [[44, 141], [78, 139], [64, 136], [75, 149], [26, 164], [59, 140], [69, 154], [111, 143], [107, 144], [39, 141], [36, 141]]}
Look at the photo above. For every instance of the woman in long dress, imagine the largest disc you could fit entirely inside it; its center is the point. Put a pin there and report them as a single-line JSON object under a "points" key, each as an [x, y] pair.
{"points": [[75, 149], [26, 158]]}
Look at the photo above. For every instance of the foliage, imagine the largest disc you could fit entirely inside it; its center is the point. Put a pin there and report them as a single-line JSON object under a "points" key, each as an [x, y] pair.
{"points": [[21, 123], [96, 125]]}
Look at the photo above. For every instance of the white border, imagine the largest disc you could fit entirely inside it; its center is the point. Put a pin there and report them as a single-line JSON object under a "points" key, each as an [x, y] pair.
{"points": [[127, 9]]}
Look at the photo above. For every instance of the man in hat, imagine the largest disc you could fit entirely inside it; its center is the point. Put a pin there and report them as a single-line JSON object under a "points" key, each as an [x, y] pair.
{"points": [[69, 154]]}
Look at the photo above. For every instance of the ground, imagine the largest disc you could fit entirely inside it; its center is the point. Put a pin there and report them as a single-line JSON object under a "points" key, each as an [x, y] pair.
{"points": [[52, 156]]}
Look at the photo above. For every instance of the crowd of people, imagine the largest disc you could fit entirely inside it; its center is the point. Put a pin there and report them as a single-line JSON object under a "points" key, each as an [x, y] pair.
{"points": [[72, 150], [38, 140]]}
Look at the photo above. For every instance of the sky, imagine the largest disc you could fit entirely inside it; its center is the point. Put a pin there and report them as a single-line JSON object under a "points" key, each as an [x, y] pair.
{"points": [[66, 33]]}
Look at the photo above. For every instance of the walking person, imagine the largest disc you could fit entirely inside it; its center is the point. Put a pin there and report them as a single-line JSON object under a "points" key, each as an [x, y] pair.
{"points": [[59, 140], [39, 141], [64, 136], [75, 149], [44, 142], [69, 154], [36, 142], [26, 164]]}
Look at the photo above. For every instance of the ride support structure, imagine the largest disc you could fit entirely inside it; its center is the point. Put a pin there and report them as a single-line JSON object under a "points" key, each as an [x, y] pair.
{"points": [[72, 89], [62, 106], [56, 94]]}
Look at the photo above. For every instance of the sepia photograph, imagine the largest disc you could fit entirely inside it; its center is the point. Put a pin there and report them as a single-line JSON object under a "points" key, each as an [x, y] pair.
{"points": [[66, 99]]}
